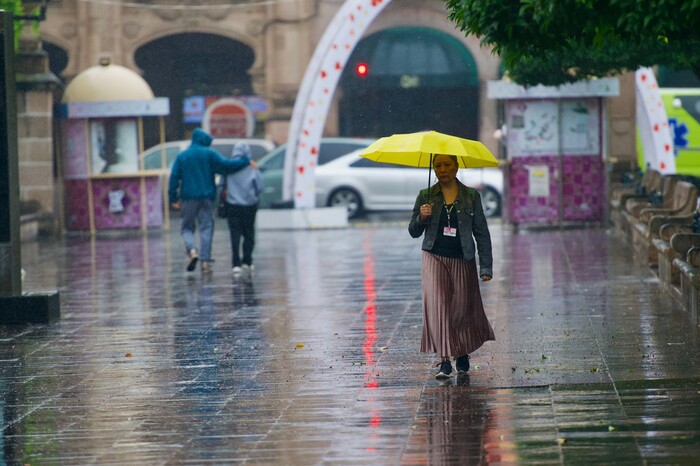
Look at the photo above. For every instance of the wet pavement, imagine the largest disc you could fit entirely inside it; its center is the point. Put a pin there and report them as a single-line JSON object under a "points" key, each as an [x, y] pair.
{"points": [[314, 359]]}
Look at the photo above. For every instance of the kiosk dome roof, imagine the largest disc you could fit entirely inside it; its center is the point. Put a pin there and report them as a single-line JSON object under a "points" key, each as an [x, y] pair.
{"points": [[106, 83]]}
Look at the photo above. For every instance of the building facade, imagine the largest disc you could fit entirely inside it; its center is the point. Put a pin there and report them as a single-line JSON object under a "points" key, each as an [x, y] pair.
{"points": [[421, 73]]}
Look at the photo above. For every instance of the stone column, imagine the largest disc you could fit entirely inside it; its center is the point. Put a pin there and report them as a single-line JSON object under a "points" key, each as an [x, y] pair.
{"points": [[622, 142], [289, 46], [35, 86]]}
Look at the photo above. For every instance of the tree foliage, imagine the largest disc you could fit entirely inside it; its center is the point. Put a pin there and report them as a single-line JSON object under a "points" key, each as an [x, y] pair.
{"points": [[559, 41], [16, 8]]}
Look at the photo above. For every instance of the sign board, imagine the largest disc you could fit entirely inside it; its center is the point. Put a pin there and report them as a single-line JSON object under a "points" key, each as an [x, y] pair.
{"points": [[602, 87], [229, 118], [153, 107]]}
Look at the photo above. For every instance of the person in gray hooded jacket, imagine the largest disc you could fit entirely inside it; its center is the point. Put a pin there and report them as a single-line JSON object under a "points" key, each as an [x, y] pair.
{"points": [[242, 194]]}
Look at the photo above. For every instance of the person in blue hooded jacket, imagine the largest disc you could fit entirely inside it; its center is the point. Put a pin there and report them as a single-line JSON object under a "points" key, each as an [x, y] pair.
{"points": [[192, 188]]}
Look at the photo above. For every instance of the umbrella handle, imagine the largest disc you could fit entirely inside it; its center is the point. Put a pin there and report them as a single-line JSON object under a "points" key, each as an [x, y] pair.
{"points": [[429, 168]]}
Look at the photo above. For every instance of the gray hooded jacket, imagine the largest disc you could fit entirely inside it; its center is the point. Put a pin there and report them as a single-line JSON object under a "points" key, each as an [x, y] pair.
{"points": [[244, 186]]}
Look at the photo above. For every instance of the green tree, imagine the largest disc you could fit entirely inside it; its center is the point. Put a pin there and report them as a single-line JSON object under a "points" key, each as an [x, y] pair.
{"points": [[16, 8], [558, 41]]}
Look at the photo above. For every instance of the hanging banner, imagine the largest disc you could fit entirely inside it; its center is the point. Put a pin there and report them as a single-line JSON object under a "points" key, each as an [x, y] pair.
{"points": [[652, 123]]}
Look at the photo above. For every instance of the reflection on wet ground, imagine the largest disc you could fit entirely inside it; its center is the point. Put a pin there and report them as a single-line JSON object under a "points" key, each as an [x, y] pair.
{"points": [[313, 359]]}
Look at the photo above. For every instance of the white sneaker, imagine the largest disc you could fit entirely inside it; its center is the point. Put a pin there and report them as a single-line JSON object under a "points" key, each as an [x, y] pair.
{"points": [[237, 271], [246, 268]]}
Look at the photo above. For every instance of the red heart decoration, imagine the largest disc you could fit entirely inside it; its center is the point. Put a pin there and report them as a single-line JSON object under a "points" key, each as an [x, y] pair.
{"points": [[656, 127], [301, 169], [662, 165], [352, 17], [299, 194], [667, 147], [323, 74], [644, 77], [306, 132], [314, 151], [338, 65]]}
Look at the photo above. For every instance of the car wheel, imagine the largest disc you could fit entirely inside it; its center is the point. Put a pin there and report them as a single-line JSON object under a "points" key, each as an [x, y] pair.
{"points": [[491, 201], [348, 198]]}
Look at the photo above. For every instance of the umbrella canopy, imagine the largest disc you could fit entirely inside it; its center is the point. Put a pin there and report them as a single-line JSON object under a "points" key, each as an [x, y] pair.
{"points": [[418, 149]]}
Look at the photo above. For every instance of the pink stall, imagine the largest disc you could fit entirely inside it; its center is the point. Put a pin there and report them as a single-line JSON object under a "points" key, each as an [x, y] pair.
{"points": [[104, 184], [554, 141]]}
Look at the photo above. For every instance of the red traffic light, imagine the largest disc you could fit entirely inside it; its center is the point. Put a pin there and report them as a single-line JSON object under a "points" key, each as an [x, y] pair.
{"points": [[362, 69]]}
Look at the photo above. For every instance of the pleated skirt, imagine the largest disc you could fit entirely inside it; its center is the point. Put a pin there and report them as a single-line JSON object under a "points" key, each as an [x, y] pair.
{"points": [[454, 321]]}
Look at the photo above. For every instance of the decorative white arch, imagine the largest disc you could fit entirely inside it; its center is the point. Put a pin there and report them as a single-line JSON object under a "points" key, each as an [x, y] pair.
{"points": [[315, 95], [652, 122]]}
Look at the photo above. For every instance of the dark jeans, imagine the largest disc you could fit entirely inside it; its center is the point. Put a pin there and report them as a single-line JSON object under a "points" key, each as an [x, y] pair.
{"points": [[241, 225]]}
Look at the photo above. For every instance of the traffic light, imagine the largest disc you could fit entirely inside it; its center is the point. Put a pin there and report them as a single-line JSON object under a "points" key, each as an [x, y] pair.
{"points": [[362, 69]]}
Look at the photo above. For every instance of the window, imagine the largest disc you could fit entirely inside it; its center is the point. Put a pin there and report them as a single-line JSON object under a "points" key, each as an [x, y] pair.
{"points": [[152, 160], [275, 161], [332, 150], [367, 163]]}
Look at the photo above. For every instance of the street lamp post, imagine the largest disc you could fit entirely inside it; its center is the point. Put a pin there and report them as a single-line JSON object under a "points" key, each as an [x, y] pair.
{"points": [[15, 306]]}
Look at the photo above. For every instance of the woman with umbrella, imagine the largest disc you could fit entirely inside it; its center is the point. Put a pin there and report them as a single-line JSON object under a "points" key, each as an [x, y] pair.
{"points": [[450, 217]]}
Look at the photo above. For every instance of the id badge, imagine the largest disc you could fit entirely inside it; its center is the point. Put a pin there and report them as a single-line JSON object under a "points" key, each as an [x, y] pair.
{"points": [[448, 231]]}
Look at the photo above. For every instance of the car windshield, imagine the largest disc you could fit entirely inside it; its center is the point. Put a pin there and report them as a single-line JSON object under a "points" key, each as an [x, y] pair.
{"points": [[256, 151], [152, 157], [330, 150]]}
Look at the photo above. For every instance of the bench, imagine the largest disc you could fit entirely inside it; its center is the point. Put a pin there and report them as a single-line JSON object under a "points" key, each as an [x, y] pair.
{"points": [[651, 181], [645, 229], [689, 270], [674, 241], [663, 199], [634, 205]]}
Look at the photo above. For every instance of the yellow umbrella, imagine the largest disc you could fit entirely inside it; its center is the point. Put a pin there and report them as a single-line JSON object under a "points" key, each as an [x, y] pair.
{"points": [[418, 149]]}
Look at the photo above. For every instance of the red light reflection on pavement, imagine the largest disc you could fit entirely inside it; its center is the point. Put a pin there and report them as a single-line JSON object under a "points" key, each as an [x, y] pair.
{"points": [[370, 319]]}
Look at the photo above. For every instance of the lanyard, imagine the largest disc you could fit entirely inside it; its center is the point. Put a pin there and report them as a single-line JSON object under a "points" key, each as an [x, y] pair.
{"points": [[449, 214]]}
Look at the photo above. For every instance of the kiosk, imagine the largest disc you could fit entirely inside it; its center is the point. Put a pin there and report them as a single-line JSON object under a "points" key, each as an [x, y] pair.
{"points": [[554, 139], [105, 185]]}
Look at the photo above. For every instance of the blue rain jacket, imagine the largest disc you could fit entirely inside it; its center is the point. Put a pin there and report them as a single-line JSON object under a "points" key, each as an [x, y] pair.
{"points": [[192, 174]]}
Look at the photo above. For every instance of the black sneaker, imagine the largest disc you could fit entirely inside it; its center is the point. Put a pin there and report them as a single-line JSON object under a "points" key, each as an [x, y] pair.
{"points": [[463, 364], [194, 257], [445, 370]]}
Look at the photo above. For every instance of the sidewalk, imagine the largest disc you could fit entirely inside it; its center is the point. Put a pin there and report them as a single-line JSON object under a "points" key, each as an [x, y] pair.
{"points": [[315, 359]]}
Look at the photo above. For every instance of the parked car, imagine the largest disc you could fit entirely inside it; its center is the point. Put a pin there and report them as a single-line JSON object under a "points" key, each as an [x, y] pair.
{"points": [[363, 185], [152, 157], [272, 165]]}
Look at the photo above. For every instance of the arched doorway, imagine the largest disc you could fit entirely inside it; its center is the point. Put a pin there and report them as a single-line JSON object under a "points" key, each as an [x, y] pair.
{"points": [[416, 79], [193, 64], [58, 58]]}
